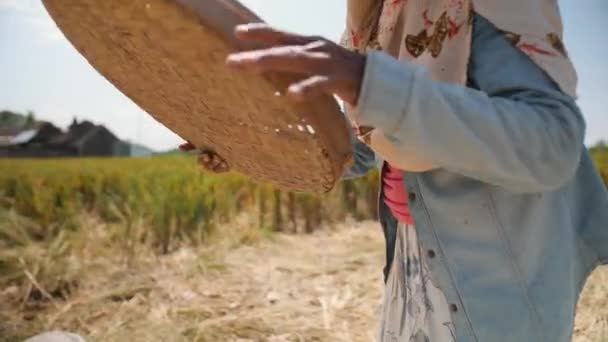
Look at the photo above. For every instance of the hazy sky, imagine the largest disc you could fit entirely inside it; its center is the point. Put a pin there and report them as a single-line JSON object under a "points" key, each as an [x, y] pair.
{"points": [[40, 71]]}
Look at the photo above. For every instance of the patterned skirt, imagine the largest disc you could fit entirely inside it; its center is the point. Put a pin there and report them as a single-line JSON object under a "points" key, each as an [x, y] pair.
{"points": [[414, 308]]}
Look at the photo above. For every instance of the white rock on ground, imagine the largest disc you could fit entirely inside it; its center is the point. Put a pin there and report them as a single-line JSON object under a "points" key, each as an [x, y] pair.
{"points": [[56, 336]]}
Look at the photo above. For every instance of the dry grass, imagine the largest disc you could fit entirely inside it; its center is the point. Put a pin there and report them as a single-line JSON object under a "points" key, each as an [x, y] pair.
{"points": [[592, 315], [243, 287]]}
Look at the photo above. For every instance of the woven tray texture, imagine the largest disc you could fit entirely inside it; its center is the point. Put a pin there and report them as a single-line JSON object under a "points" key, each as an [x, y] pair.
{"points": [[168, 56]]}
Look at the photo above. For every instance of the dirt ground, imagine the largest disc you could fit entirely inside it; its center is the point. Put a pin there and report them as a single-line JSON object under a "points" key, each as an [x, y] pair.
{"points": [[320, 287]]}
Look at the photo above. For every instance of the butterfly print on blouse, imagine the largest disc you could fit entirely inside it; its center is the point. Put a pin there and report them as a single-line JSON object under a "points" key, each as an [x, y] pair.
{"points": [[416, 45], [557, 43]]}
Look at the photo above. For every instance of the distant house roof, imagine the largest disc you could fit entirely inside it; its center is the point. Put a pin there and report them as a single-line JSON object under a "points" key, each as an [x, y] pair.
{"points": [[9, 131], [46, 139], [16, 137], [78, 134], [21, 135], [24, 136]]}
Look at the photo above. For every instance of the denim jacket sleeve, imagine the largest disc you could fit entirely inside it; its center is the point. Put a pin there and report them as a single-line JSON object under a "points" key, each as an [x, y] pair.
{"points": [[518, 131], [364, 160]]}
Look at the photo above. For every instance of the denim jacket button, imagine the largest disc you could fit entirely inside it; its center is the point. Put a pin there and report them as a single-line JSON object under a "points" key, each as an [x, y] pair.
{"points": [[412, 196], [431, 253], [454, 307]]}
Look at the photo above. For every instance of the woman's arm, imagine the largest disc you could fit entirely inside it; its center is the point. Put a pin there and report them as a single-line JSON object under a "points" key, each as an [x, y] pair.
{"points": [[519, 131]]}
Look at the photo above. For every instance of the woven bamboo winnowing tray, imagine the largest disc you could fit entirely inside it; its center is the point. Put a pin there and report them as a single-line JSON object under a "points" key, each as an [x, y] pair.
{"points": [[168, 56]]}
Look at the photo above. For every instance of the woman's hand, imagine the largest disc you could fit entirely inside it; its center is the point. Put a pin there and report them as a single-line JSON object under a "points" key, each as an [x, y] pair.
{"points": [[325, 66], [208, 159]]}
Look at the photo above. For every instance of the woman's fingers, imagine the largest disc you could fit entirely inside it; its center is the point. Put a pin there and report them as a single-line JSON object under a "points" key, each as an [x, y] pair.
{"points": [[326, 66], [310, 87], [297, 59], [222, 167], [212, 162], [187, 147], [216, 161], [203, 160], [209, 160], [266, 35]]}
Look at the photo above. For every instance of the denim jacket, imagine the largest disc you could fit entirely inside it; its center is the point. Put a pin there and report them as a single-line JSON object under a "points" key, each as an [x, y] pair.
{"points": [[516, 217]]}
